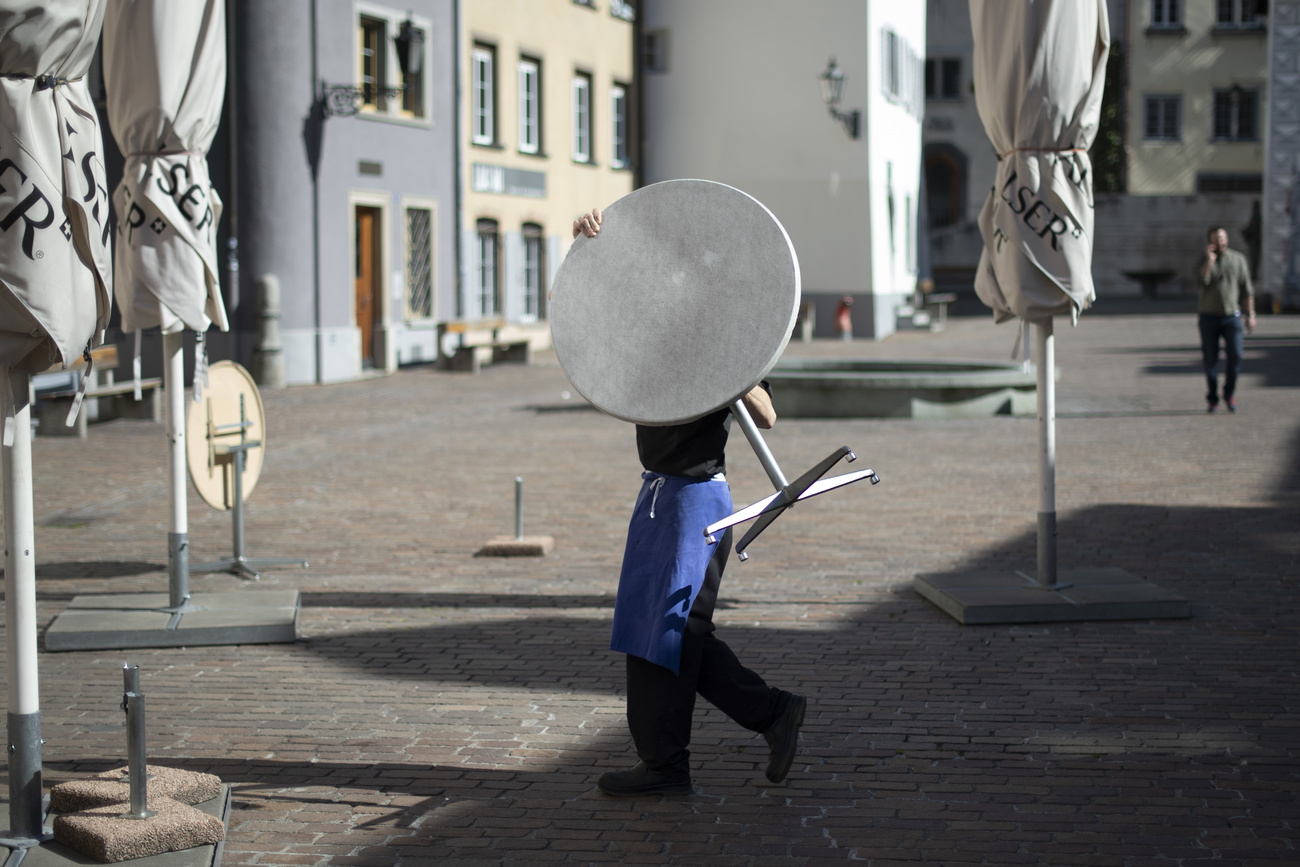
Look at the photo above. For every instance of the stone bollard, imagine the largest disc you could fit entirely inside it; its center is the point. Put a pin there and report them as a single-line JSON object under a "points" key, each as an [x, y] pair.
{"points": [[268, 358]]}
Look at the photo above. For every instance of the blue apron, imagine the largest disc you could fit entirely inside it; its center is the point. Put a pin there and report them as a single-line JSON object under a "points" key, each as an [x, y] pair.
{"points": [[664, 564]]}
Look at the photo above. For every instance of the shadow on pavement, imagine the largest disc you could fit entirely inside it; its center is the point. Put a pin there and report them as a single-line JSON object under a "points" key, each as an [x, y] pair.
{"points": [[1147, 737], [95, 569], [347, 599]]}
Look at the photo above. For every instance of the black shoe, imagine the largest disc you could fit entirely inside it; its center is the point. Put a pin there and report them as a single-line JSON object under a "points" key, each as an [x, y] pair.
{"points": [[783, 735], [640, 780]]}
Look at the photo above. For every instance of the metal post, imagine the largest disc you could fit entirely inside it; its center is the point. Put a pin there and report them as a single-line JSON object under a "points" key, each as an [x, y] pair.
{"points": [[1046, 454], [237, 506], [519, 507], [178, 537], [24, 720], [137, 772], [756, 440]]}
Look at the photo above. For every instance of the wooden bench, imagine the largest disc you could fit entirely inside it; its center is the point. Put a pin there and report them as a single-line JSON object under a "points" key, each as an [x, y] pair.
{"points": [[471, 336], [105, 398]]}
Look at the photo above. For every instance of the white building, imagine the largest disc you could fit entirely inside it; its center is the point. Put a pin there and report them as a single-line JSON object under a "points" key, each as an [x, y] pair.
{"points": [[732, 95]]}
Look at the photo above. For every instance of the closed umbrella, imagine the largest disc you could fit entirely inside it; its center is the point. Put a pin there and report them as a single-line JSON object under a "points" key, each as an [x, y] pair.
{"points": [[54, 305], [1039, 68], [165, 74]]}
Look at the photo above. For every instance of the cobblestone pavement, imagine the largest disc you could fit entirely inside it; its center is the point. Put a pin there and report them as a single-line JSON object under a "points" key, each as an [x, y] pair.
{"points": [[442, 707]]}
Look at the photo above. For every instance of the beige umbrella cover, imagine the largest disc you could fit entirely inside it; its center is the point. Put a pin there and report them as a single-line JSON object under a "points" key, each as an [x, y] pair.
{"points": [[165, 73], [54, 257], [1039, 69]]}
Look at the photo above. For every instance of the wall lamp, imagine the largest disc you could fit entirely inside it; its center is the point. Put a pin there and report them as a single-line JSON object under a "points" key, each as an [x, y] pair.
{"points": [[832, 81], [345, 100]]}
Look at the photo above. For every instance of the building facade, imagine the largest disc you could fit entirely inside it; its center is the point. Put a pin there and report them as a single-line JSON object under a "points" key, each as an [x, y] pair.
{"points": [[732, 95], [1192, 85], [345, 181], [959, 159], [1280, 263], [548, 130], [1196, 96]]}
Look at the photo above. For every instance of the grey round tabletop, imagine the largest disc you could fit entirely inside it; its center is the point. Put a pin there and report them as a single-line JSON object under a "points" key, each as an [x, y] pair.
{"points": [[679, 306]]}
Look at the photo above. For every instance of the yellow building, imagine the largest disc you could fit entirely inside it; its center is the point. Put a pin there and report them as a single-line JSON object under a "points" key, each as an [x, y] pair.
{"points": [[1197, 73], [547, 130]]}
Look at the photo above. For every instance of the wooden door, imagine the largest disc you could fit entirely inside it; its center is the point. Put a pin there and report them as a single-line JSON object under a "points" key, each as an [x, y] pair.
{"points": [[368, 271]]}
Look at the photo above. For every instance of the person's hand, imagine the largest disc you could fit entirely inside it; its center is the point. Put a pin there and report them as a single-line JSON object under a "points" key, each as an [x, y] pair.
{"points": [[1250, 322], [587, 224], [1210, 255]]}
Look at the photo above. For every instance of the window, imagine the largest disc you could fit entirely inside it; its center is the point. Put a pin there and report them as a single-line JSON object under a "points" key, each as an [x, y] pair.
{"points": [[902, 73], [1166, 15], [622, 9], [373, 64], [413, 87], [1236, 112], [618, 126], [419, 263], [387, 93], [654, 51], [530, 106], [1163, 118], [582, 117], [483, 95], [892, 75], [534, 272], [1240, 13], [1244, 182], [943, 78], [487, 301]]}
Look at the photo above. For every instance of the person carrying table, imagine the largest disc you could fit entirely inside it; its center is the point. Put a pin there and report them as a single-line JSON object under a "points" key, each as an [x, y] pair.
{"points": [[663, 616]]}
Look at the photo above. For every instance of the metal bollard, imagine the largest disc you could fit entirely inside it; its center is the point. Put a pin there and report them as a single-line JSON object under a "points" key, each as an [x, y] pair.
{"points": [[137, 776], [519, 507]]}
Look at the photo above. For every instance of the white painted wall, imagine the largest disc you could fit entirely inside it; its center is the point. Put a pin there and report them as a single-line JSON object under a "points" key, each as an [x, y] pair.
{"points": [[739, 102], [894, 144]]}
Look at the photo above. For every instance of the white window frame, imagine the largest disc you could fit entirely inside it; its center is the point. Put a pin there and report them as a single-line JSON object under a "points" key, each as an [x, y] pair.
{"points": [[1150, 101], [417, 203], [391, 109], [1169, 13], [1237, 15], [527, 242], [530, 106], [582, 144], [1234, 120], [618, 127], [482, 95], [487, 294]]}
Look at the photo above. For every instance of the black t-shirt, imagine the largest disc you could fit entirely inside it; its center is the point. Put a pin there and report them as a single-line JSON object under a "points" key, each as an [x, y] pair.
{"points": [[694, 449]]}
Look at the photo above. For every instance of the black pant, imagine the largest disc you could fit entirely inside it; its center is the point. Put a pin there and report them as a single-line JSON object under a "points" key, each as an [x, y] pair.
{"points": [[1214, 328], [660, 704]]}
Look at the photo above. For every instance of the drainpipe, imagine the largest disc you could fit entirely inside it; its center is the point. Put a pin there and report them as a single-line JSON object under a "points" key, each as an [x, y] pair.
{"points": [[315, 212], [459, 204], [231, 203]]}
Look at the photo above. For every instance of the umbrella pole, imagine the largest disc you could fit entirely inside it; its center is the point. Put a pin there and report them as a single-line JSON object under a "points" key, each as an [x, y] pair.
{"points": [[25, 813], [178, 545], [1046, 454]]}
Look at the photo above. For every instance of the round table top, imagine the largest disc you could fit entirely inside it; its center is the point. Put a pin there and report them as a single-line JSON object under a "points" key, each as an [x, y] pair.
{"points": [[212, 426], [679, 306]]}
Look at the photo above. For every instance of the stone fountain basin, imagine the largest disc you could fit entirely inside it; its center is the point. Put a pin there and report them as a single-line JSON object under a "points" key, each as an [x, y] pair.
{"points": [[901, 388]]}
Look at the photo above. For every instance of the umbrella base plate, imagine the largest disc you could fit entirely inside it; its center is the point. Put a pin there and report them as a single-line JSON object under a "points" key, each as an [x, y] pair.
{"points": [[1080, 594], [134, 620]]}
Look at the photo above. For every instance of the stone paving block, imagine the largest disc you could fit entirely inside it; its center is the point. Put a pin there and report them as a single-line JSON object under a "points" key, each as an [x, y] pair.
{"points": [[440, 707]]}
